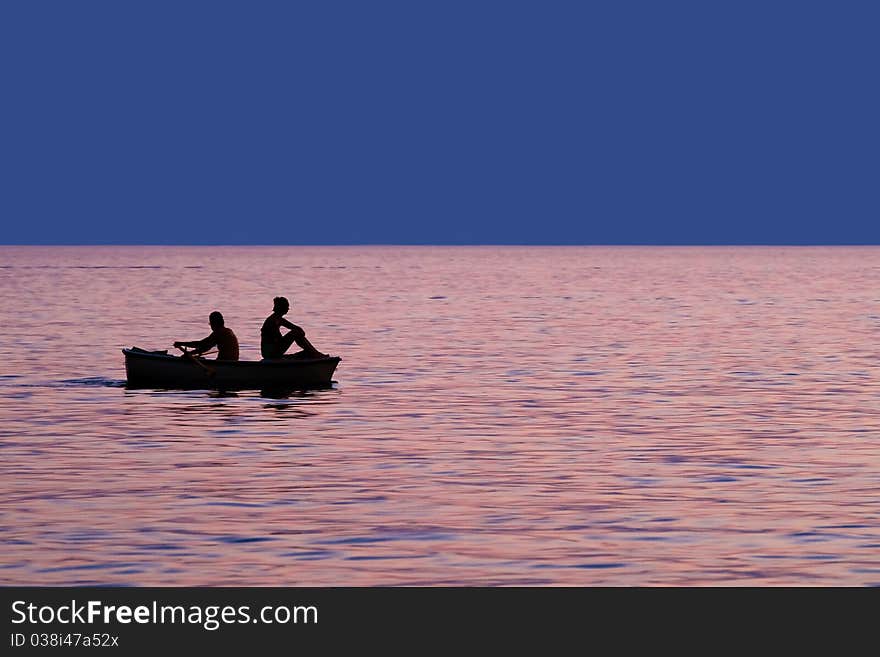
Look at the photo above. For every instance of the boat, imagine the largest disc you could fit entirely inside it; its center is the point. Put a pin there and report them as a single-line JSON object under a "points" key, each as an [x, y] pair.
{"points": [[159, 369]]}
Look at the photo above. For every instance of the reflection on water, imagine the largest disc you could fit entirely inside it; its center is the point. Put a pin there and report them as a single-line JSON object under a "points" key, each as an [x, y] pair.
{"points": [[576, 416]]}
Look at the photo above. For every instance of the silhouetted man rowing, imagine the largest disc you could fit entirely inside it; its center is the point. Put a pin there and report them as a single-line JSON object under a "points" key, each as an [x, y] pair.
{"points": [[221, 337], [273, 344]]}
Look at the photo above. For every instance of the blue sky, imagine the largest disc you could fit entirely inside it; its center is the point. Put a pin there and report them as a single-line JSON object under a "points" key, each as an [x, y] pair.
{"points": [[440, 123]]}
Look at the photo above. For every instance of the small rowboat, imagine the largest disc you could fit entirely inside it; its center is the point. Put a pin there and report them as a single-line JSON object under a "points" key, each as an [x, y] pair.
{"points": [[158, 369]]}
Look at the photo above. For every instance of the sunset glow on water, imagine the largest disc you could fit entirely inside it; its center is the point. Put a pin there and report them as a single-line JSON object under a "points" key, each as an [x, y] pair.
{"points": [[501, 415]]}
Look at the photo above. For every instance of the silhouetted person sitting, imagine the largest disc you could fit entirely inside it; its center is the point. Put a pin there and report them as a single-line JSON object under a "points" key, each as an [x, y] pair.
{"points": [[221, 337], [273, 344]]}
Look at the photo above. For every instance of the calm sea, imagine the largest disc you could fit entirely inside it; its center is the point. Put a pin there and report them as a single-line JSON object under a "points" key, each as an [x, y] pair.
{"points": [[501, 416]]}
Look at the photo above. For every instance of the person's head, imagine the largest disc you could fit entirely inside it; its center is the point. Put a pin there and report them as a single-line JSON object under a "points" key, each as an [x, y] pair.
{"points": [[281, 305], [216, 320]]}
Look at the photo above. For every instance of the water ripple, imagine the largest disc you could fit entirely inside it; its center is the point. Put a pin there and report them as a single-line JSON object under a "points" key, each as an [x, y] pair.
{"points": [[583, 416]]}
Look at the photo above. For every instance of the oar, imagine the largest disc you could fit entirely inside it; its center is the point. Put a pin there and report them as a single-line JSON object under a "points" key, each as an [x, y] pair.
{"points": [[210, 370]]}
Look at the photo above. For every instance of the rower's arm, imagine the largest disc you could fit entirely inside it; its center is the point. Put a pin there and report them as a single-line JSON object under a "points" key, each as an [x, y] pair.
{"points": [[191, 343], [199, 346], [203, 345]]}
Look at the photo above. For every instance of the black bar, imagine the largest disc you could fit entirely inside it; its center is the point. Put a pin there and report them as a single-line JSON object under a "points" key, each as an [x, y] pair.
{"points": [[330, 619]]}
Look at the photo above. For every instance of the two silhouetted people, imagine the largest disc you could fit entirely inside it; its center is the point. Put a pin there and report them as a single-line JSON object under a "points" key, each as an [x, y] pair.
{"points": [[221, 337], [272, 343]]}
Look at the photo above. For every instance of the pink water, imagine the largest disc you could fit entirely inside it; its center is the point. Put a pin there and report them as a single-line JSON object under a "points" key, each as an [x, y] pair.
{"points": [[547, 416]]}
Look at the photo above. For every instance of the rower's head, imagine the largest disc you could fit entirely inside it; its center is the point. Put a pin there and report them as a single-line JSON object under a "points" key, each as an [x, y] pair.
{"points": [[280, 305], [216, 320]]}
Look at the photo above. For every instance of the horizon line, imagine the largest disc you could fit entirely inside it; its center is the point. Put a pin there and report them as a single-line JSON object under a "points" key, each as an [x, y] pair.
{"points": [[455, 244]]}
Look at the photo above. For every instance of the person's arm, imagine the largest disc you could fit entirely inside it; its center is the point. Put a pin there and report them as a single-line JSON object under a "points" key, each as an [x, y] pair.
{"points": [[199, 346], [192, 343], [204, 345], [296, 330]]}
